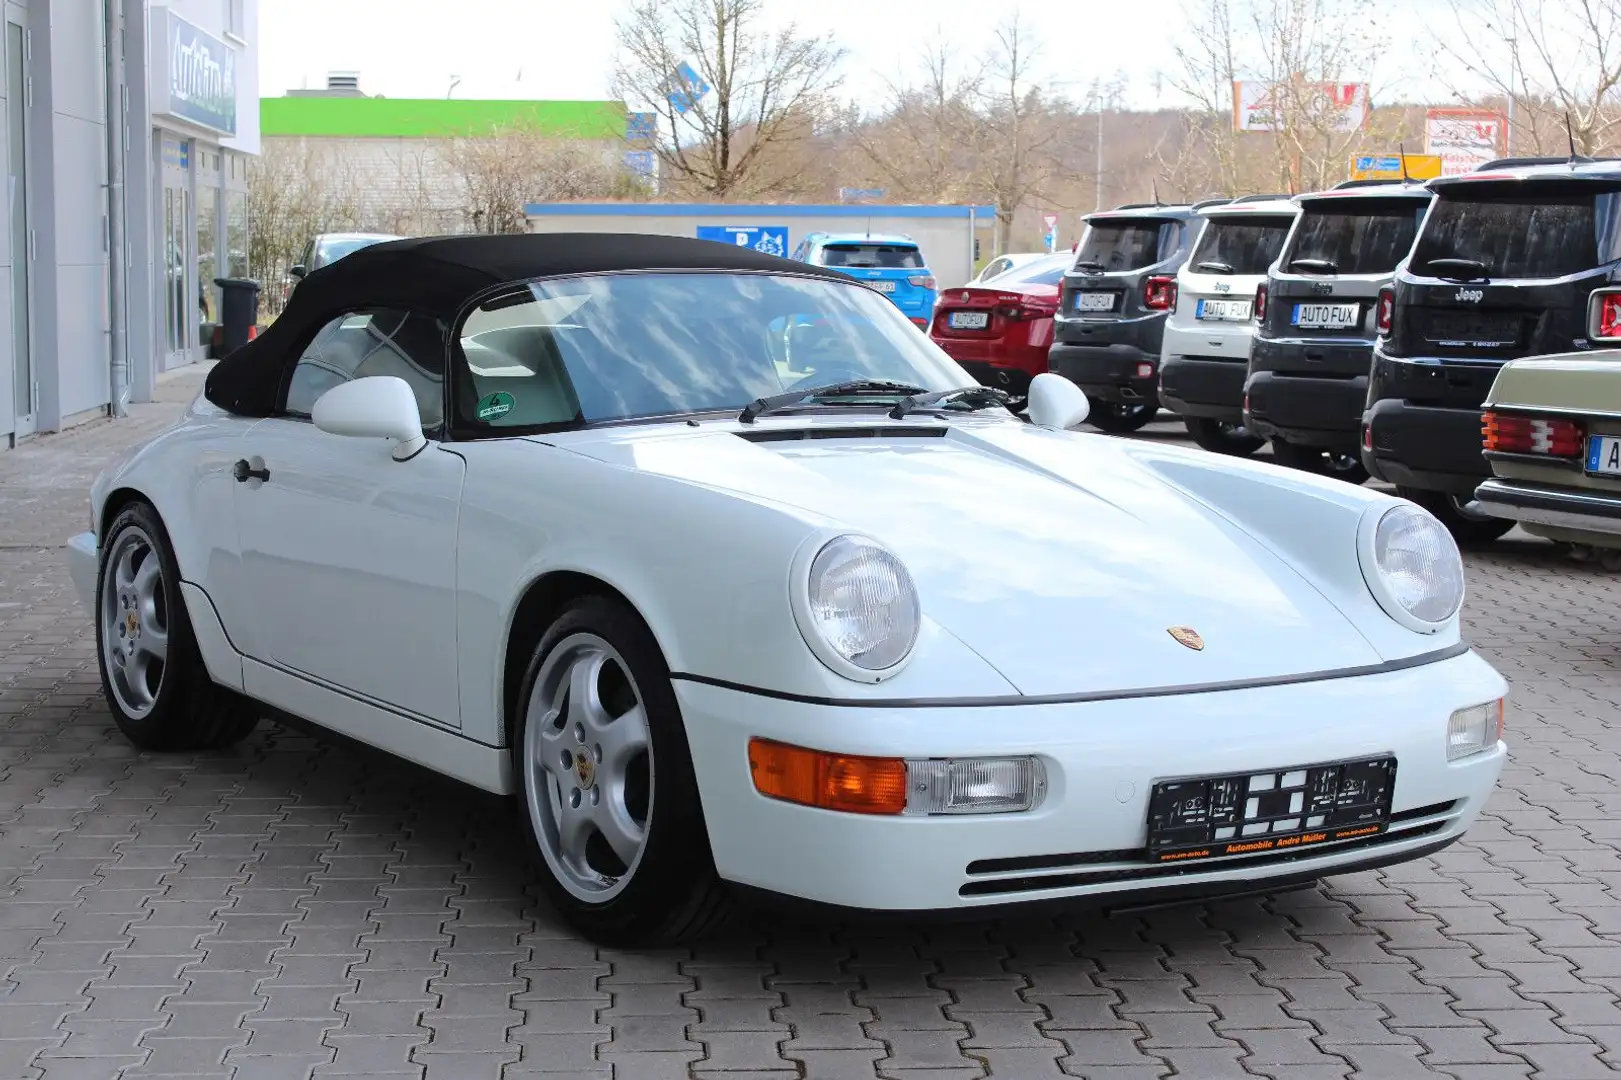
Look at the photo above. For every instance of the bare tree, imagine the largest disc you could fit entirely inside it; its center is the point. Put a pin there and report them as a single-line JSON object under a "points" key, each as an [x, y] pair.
{"points": [[1553, 61], [766, 86], [502, 173], [921, 145], [1013, 142], [1294, 48], [296, 189]]}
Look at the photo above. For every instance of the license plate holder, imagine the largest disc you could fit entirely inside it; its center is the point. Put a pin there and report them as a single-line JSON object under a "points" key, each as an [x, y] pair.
{"points": [[1092, 303], [1324, 316], [1468, 330], [883, 286], [969, 320], [1222, 310], [1269, 810], [1603, 455]]}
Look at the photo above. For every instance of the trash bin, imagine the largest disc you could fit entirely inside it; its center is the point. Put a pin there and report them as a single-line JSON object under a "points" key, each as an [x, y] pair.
{"points": [[239, 312]]}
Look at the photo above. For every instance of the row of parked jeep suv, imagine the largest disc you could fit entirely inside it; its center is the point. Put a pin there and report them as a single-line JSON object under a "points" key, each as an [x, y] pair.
{"points": [[1356, 329]]}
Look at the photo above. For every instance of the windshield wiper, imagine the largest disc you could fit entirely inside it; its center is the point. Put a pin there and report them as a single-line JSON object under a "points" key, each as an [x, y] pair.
{"points": [[761, 406], [1460, 269], [1315, 266], [1216, 268], [1091, 266], [975, 397]]}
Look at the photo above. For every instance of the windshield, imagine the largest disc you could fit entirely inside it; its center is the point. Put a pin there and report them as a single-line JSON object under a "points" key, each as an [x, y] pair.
{"points": [[1519, 235], [1247, 245], [333, 250], [880, 256], [1358, 236], [1128, 245], [619, 346]]}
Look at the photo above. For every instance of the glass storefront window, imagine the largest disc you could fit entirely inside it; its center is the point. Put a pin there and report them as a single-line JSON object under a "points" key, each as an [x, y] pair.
{"points": [[207, 252], [236, 232]]}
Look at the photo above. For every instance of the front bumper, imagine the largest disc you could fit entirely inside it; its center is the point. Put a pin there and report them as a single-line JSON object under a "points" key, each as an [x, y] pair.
{"points": [[1324, 412], [1591, 517], [1190, 386], [83, 567], [1083, 843], [1108, 372], [1425, 447]]}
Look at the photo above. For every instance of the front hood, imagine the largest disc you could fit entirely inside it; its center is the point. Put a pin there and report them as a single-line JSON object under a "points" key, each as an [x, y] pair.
{"points": [[1066, 577]]}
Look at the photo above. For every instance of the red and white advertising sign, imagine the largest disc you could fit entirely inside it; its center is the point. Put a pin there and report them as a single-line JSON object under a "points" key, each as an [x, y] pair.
{"points": [[1261, 106], [1464, 139]]}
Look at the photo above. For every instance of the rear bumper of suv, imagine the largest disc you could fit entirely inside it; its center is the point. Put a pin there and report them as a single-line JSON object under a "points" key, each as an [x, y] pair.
{"points": [[1425, 447], [1309, 411], [1204, 386], [1108, 372]]}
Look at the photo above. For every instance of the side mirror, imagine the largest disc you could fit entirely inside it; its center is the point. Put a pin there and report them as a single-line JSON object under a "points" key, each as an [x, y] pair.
{"points": [[296, 270], [374, 407], [1055, 402]]}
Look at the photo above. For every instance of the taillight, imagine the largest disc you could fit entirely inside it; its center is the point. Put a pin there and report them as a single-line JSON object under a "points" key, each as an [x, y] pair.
{"points": [[1260, 302], [1384, 310], [1159, 293], [921, 281], [1604, 315], [1531, 435]]}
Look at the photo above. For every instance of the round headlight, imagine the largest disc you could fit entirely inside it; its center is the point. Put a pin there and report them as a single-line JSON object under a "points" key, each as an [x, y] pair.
{"points": [[1418, 566], [862, 604]]}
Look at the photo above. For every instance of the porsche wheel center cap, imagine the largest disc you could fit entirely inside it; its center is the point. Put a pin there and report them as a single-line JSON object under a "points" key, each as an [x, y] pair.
{"points": [[585, 769]]}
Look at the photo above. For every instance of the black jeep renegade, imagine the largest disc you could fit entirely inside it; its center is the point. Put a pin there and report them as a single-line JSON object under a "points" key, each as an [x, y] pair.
{"points": [[1503, 267], [1112, 305]]}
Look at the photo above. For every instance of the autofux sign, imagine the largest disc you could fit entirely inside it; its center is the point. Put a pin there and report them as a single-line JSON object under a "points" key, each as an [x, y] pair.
{"points": [[200, 83]]}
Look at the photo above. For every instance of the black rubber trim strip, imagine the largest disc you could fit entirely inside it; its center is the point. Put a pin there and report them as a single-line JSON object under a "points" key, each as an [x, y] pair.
{"points": [[1435, 656]]}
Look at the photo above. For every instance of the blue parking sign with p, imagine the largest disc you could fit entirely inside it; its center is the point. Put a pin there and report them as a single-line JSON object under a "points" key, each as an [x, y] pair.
{"points": [[771, 239]]}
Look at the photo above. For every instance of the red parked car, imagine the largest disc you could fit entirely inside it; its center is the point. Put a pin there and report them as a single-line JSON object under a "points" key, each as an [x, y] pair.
{"points": [[1000, 330]]}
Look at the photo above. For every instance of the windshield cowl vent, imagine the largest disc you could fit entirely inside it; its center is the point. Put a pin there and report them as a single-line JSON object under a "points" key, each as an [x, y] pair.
{"points": [[865, 431]]}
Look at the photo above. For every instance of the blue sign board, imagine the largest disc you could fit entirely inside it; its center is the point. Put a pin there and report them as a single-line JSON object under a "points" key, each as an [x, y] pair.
{"points": [[641, 162], [202, 77], [690, 88], [851, 194], [1370, 163], [641, 126], [771, 239]]}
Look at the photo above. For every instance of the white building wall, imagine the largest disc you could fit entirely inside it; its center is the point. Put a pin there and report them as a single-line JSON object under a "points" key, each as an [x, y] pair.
{"points": [[944, 233]]}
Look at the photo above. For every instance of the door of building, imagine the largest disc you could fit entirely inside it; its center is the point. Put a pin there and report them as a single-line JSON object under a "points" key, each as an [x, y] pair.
{"points": [[18, 417], [179, 235]]}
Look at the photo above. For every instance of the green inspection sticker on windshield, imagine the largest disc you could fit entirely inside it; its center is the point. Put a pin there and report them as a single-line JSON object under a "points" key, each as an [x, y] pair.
{"points": [[493, 405]]}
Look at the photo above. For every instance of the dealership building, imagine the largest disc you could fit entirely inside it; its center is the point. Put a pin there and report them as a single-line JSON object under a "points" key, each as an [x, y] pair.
{"points": [[128, 129]]}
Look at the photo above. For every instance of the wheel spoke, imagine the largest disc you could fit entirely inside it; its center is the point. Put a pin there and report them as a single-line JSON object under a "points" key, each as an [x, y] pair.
{"points": [[146, 579], [573, 831], [124, 569], [153, 643], [584, 701], [622, 739], [135, 673], [614, 822]]}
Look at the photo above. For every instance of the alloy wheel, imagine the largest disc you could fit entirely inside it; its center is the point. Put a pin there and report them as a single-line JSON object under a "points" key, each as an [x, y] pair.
{"points": [[134, 622], [588, 767]]}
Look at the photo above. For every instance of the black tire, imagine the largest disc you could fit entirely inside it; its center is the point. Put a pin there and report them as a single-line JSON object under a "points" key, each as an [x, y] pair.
{"points": [[1314, 459], [1222, 438], [1119, 418], [189, 710], [1466, 530], [674, 894]]}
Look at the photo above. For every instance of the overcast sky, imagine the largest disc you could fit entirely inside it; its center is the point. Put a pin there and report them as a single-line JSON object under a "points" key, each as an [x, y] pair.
{"points": [[565, 48]]}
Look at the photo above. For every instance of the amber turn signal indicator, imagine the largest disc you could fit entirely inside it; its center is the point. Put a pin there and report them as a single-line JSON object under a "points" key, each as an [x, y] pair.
{"points": [[856, 785]]}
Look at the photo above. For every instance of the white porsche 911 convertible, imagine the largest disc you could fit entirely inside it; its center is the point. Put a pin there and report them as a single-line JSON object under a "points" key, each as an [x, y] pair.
{"points": [[737, 582]]}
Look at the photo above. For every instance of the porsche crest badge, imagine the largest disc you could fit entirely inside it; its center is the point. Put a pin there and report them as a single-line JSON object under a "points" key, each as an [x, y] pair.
{"points": [[1187, 635]]}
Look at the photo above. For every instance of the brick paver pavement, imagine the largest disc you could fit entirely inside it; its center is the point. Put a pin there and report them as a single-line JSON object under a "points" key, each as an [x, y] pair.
{"points": [[291, 908]]}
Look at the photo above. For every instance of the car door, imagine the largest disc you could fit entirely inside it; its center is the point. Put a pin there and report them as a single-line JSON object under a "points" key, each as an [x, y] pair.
{"points": [[349, 556]]}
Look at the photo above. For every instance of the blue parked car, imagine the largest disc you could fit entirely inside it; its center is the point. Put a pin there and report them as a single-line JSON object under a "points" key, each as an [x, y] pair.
{"points": [[892, 264]]}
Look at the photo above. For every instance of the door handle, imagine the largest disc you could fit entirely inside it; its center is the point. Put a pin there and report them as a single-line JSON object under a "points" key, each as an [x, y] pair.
{"points": [[245, 472]]}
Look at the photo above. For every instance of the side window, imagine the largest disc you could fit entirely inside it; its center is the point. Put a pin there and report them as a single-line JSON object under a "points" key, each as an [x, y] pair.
{"points": [[374, 341]]}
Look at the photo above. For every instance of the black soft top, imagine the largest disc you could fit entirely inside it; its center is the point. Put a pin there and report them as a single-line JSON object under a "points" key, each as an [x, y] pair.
{"points": [[437, 275]]}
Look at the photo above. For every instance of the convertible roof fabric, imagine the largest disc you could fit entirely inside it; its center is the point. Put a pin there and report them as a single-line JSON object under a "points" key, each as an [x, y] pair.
{"points": [[437, 275]]}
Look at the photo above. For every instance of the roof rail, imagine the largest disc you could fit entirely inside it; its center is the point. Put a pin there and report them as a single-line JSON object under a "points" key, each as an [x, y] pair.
{"points": [[1261, 198], [1141, 206], [1370, 183], [1220, 200], [1516, 162]]}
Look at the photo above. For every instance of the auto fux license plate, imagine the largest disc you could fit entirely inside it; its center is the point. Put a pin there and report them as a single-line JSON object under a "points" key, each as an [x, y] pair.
{"points": [[1222, 310], [1604, 455], [1094, 301], [970, 320], [1276, 810], [1324, 316]]}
